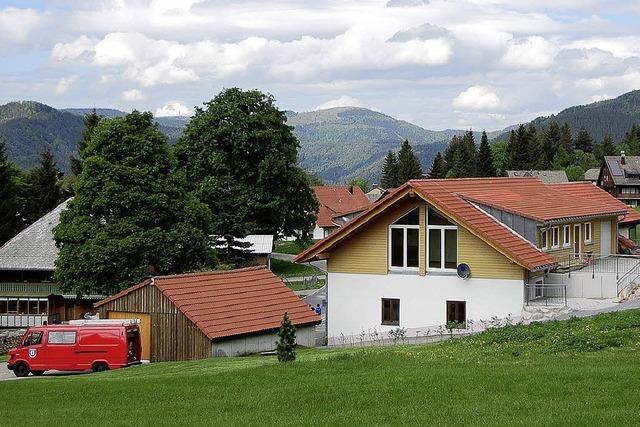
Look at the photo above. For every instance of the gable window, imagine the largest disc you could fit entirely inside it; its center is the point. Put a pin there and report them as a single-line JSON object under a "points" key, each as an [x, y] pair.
{"points": [[391, 311], [404, 236], [587, 232], [442, 242], [566, 236], [555, 237], [544, 239], [456, 314]]}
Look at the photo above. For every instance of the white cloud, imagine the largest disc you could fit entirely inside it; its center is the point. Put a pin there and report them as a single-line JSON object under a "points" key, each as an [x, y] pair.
{"points": [[534, 52], [477, 98], [600, 97], [594, 84], [621, 47], [173, 108], [133, 95], [64, 84], [73, 50], [343, 101], [17, 25]]}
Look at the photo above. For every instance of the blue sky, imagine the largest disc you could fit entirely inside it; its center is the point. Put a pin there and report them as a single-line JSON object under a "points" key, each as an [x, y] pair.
{"points": [[482, 64]]}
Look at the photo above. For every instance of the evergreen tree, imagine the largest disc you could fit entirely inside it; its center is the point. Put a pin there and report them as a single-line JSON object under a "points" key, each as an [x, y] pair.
{"points": [[240, 147], [91, 121], [131, 214], [10, 221], [584, 141], [550, 141], [408, 164], [518, 149], [45, 187], [485, 160], [438, 168], [286, 345], [390, 171], [458, 168], [631, 142], [566, 140], [469, 154], [607, 148]]}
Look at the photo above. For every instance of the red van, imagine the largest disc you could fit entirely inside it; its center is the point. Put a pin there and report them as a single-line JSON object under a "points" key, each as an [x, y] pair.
{"points": [[79, 346]]}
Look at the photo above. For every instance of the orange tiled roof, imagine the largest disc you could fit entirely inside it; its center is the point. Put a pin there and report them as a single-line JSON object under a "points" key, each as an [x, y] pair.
{"points": [[524, 196], [235, 302], [337, 200]]}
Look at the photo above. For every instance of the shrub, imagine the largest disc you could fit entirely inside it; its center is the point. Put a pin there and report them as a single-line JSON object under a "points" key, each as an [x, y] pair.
{"points": [[286, 345]]}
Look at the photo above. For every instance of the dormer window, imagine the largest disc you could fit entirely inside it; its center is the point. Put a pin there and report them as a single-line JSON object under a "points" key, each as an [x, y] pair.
{"points": [[404, 241]]}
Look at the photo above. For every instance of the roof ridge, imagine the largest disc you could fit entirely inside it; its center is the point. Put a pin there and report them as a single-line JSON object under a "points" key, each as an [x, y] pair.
{"points": [[211, 272]]}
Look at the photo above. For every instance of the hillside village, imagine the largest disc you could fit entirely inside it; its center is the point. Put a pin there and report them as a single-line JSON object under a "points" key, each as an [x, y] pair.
{"points": [[254, 260]]}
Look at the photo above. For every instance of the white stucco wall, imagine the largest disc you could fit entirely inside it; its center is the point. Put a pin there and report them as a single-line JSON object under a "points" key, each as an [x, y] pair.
{"points": [[583, 285], [355, 300], [305, 336]]}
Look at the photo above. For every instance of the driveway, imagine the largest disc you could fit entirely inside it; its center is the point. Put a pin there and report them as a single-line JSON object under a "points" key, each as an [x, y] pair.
{"points": [[322, 265], [7, 375]]}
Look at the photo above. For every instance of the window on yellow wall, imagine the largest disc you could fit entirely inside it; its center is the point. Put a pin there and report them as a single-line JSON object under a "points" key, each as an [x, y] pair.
{"points": [[587, 232], [442, 242], [404, 236], [566, 236], [544, 242], [555, 237]]}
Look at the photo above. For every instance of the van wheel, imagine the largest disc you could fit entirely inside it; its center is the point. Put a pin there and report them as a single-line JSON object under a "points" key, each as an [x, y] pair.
{"points": [[37, 373], [21, 369], [100, 367]]}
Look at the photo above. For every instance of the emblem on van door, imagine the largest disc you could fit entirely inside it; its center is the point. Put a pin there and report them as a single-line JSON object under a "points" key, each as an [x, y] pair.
{"points": [[33, 352]]}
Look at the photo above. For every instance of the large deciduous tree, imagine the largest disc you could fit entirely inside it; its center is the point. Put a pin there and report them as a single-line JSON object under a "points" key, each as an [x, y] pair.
{"points": [[240, 158], [131, 215]]}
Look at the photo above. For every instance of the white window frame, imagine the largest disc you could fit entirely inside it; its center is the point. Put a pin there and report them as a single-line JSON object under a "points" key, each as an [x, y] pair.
{"points": [[442, 229], [555, 237], [566, 236], [590, 239], [404, 255], [544, 239]]}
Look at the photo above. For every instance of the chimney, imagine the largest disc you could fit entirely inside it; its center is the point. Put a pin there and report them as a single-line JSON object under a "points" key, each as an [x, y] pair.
{"points": [[622, 157]]}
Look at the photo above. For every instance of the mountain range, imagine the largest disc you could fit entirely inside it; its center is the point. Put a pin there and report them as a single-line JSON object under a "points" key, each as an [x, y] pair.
{"points": [[336, 144]]}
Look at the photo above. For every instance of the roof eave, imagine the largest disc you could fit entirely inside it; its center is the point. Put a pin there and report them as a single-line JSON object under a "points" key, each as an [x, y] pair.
{"points": [[561, 220]]}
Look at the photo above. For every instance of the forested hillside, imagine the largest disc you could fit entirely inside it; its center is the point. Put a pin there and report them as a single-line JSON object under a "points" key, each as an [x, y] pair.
{"points": [[613, 117]]}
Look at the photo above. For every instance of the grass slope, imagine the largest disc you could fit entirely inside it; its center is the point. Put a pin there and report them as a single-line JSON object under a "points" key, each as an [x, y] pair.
{"points": [[577, 372]]}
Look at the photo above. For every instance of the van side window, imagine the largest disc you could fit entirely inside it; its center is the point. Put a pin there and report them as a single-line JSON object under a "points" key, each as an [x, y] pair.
{"points": [[62, 337], [34, 338]]}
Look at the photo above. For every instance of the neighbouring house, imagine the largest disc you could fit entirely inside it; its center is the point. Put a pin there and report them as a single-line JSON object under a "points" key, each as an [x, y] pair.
{"points": [[219, 313], [375, 193], [628, 226], [28, 295], [337, 206], [620, 177], [435, 252], [591, 175], [546, 176], [259, 245]]}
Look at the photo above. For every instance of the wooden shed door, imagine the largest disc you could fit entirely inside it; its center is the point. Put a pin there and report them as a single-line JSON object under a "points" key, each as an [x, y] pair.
{"points": [[145, 328]]}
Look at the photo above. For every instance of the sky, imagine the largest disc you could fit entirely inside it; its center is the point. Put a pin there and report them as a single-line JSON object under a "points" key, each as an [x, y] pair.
{"points": [[480, 64]]}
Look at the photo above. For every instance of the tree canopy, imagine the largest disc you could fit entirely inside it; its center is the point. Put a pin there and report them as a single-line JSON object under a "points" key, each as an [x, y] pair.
{"points": [[131, 215], [240, 158], [10, 220]]}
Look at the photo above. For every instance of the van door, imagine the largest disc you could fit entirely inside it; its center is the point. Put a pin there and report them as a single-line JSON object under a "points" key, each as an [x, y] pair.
{"points": [[61, 350], [35, 351]]}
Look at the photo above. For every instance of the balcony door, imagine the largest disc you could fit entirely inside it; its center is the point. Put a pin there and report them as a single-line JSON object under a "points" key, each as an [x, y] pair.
{"points": [[577, 241]]}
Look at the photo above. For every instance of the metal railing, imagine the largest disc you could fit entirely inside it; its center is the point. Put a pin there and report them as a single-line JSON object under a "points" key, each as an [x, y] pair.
{"points": [[594, 263], [543, 294], [628, 279], [30, 287]]}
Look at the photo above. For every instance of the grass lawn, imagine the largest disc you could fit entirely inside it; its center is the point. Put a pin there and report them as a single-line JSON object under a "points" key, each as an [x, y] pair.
{"points": [[292, 247], [290, 269], [577, 372]]}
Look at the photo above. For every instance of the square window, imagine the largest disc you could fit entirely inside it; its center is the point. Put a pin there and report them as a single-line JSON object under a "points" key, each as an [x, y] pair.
{"points": [[390, 311], [457, 314]]}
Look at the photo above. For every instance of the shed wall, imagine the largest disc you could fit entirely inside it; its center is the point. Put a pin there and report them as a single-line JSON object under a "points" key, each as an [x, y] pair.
{"points": [[173, 335], [305, 336]]}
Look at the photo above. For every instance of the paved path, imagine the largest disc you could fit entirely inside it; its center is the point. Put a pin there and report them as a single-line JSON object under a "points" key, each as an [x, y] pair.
{"points": [[7, 375], [322, 265], [632, 303]]}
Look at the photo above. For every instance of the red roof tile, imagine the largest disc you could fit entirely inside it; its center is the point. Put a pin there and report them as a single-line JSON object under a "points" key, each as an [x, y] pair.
{"points": [[528, 197], [235, 302], [337, 200]]}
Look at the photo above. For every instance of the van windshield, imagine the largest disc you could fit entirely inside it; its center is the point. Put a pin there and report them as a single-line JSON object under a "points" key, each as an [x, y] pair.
{"points": [[33, 338]]}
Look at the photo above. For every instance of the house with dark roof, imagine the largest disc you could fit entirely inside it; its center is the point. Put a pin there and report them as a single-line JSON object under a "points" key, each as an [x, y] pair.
{"points": [[28, 295], [620, 177], [215, 313], [437, 252], [592, 175], [337, 206]]}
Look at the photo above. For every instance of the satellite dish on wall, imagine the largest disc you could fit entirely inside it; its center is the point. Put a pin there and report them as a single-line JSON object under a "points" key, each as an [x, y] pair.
{"points": [[463, 270]]}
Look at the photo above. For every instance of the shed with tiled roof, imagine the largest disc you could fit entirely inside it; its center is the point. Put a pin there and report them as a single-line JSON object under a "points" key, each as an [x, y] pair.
{"points": [[219, 313]]}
